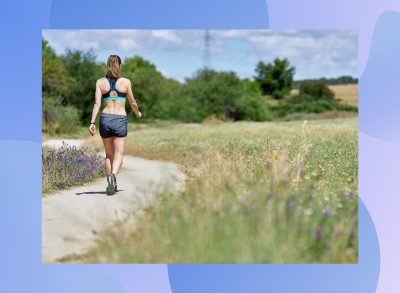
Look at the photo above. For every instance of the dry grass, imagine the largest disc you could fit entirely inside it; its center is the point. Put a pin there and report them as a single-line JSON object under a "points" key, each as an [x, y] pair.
{"points": [[347, 94], [344, 93], [278, 192]]}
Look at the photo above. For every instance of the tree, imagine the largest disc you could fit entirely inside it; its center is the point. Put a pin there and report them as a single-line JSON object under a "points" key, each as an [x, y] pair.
{"points": [[155, 94], [275, 79], [56, 80], [82, 66], [220, 94], [47, 51]]}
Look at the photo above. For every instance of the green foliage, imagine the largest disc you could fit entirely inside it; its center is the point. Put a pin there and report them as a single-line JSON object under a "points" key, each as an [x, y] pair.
{"points": [[47, 51], [313, 97], [212, 93], [275, 79], [56, 79], [70, 80], [316, 89], [155, 93], [83, 68], [308, 104], [345, 79], [57, 119]]}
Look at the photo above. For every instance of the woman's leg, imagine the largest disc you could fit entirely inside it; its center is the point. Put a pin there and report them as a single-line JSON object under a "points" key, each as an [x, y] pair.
{"points": [[109, 148], [119, 147]]}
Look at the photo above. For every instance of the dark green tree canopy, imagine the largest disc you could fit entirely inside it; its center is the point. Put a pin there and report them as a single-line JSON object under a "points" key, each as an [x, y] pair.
{"points": [[213, 93], [275, 79]]}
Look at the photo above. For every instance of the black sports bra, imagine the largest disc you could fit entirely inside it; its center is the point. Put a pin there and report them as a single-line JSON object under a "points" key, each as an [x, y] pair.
{"points": [[119, 96]]}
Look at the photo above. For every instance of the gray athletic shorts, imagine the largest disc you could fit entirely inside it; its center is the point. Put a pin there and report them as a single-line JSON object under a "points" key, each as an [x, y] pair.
{"points": [[113, 125]]}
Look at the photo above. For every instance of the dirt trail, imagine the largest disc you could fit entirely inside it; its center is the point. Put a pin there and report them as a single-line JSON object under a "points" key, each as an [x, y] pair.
{"points": [[72, 218]]}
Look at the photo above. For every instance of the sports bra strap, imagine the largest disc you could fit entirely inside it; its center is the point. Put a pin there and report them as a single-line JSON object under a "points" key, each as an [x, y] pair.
{"points": [[112, 84], [113, 88]]}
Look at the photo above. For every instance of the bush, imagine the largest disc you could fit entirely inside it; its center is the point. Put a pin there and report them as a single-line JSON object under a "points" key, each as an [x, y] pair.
{"points": [[212, 93], [68, 166], [308, 104], [252, 108], [316, 89], [58, 119]]}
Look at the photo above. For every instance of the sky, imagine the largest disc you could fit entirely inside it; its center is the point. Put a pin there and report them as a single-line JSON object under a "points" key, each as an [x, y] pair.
{"points": [[180, 53]]}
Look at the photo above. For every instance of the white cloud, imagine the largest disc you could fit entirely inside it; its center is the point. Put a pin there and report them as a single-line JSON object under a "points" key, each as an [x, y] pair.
{"points": [[314, 53], [166, 35]]}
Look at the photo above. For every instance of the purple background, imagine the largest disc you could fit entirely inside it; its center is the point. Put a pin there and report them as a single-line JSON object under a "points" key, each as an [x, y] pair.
{"points": [[378, 24]]}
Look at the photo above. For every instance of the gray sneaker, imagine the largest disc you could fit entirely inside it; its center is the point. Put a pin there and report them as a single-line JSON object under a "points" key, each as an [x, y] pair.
{"points": [[115, 182], [110, 190]]}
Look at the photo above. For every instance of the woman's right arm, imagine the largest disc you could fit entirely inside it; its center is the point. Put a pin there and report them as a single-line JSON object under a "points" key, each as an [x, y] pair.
{"points": [[96, 108], [132, 100]]}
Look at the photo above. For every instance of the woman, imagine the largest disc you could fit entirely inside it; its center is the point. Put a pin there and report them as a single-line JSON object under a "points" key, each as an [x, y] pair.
{"points": [[113, 120]]}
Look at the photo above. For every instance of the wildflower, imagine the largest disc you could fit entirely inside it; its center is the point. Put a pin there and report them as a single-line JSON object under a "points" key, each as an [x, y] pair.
{"points": [[268, 165], [69, 166], [326, 214], [319, 234]]}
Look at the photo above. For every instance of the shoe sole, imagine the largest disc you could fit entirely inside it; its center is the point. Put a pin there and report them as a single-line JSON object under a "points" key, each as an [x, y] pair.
{"points": [[110, 190]]}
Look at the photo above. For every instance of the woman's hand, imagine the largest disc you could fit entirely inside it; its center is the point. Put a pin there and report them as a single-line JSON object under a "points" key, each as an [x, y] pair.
{"points": [[92, 129], [138, 115]]}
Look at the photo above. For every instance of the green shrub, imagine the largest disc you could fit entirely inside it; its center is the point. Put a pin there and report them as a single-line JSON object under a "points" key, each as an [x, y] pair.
{"points": [[57, 118], [212, 93], [252, 108], [308, 104], [316, 89]]}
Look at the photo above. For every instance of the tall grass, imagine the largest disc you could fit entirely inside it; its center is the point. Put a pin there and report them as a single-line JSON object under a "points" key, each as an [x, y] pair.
{"points": [[256, 193]]}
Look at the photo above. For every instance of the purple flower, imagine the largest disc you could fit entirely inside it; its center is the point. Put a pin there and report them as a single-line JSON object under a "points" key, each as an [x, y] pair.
{"points": [[69, 166], [319, 234], [326, 214]]}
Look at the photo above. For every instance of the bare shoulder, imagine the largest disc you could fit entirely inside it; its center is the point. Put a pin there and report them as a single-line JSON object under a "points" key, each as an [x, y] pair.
{"points": [[125, 80], [124, 84], [101, 81]]}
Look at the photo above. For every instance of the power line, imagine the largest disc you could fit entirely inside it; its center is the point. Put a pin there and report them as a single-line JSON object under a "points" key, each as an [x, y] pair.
{"points": [[207, 53]]}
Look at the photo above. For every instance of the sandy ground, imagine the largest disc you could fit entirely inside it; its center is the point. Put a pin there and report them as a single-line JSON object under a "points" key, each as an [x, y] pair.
{"points": [[71, 219]]}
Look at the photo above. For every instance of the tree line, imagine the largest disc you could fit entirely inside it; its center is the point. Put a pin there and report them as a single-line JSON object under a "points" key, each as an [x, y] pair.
{"points": [[68, 86], [345, 79]]}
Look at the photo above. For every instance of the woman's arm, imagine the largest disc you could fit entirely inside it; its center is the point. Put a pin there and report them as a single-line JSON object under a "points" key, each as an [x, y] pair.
{"points": [[132, 100], [96, 108]]}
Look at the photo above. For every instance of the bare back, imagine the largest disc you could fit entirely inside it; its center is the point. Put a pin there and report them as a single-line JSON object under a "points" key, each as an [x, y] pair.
{"points": [[114, 106]]}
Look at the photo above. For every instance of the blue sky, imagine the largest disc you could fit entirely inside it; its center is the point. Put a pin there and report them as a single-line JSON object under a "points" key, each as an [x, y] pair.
{"points": [[179, 53]]}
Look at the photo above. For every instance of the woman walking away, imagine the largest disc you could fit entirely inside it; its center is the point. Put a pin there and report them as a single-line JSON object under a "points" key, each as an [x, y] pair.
{"points": [[113, 120]]}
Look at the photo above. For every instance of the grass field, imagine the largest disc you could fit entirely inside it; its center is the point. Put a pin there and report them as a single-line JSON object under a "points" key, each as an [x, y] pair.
{"points": [[281, 192], [345, 93]]}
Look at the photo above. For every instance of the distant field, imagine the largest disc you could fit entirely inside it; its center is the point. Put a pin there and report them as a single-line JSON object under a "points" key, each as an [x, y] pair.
{"points": [[347, 93], [268, 192]]}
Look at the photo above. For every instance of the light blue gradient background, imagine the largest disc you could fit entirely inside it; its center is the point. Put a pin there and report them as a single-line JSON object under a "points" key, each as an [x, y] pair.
{"points": [[20, 137]]}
